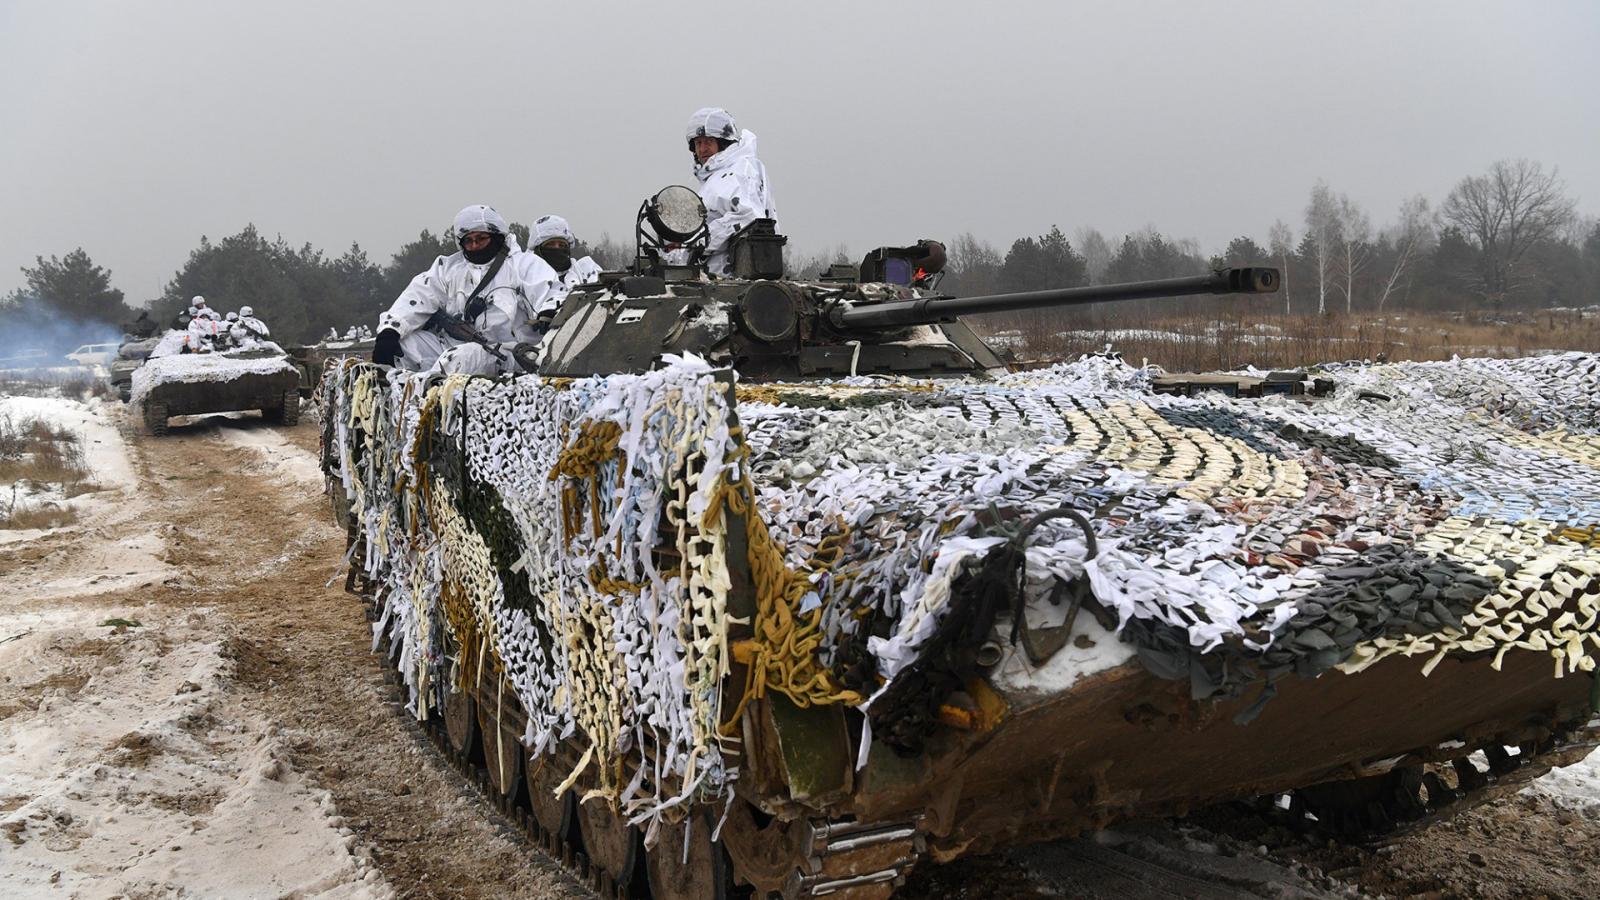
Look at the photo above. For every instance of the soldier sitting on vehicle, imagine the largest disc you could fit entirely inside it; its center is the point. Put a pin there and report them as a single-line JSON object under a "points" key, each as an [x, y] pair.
{"points": [[226, 339], [468, 312], [254, 329], [202, 334], [553, 242]]}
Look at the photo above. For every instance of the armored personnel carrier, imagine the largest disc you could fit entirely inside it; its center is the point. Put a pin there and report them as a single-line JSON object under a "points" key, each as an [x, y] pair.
{"points": [[171, 383], [776, 586], [130, 356], [311, 359]]}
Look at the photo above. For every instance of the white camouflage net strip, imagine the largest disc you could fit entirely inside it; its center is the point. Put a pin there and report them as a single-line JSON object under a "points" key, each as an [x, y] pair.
{"points": [[1286, 534]]}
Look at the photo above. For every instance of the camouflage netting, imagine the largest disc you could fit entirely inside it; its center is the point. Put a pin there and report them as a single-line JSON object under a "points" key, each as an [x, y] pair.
{"points": [[578, 531]]}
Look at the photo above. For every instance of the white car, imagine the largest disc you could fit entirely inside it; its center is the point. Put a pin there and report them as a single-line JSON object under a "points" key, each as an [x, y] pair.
{"points": [[95, 354]]}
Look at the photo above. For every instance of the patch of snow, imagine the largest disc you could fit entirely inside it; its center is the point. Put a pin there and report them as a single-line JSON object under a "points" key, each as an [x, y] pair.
{"points": [[1068, 666], [128, 774], [281, 456], [171, 343], [104, 452], [1575, 787], [924, 336], [51, 375]]}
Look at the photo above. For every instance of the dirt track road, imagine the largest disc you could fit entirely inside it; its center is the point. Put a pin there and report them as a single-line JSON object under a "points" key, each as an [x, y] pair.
{"points": [[233, 588], [237, 740]]}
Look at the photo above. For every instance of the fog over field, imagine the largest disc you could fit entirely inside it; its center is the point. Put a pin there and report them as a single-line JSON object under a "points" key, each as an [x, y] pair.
{"points": [[134, 129]]}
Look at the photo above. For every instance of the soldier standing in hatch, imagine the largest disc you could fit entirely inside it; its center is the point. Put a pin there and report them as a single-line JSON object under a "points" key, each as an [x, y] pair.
{"points": [[733, 182]]}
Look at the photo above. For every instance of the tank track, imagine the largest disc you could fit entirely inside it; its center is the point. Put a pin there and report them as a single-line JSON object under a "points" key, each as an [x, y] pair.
{"points": [[840, 859], [1415, 794], [512, 817]]}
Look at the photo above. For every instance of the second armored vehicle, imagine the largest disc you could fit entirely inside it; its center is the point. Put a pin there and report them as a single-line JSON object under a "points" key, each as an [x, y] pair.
{"points": [[188, 384]]}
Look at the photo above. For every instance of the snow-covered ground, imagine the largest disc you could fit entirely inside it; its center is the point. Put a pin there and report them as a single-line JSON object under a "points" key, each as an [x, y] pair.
{"points": [[104, 453], [55, 374], [127, 770], [277, 453], [1576, 787], [130, 763]]}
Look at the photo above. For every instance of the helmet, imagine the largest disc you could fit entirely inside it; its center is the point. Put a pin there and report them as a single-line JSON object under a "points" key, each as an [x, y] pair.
{"points": [[232, 317], [479, 218], [247, 311], [210, 314], [712, 121], [194, 311], [197, 301], [547, 227]]}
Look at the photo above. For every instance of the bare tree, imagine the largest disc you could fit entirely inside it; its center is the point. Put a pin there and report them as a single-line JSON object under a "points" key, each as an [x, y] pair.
{"points": [[610, 253], [973, 266], [1096, 252], [1322, 231], [810, 266], [1355, 244], [1280, 239], [1515, 206], [1410, 236]]}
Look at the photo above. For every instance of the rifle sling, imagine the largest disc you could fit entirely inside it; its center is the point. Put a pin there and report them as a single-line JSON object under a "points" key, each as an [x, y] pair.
{"points": [[476, 304]]}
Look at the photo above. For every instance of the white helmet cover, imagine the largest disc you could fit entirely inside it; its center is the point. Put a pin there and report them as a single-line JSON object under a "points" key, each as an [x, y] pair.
{"points": [[247, 311], [548, 227], [232, 317], [712, 121], [197, 301], [479, 218]]}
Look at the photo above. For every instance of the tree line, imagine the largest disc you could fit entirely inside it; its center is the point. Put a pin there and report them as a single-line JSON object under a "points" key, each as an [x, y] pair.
{"points": [[1508, 238]]}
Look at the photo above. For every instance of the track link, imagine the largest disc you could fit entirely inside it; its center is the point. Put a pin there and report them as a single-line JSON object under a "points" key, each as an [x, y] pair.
{"points": [[1379, 809], [512, 818]]}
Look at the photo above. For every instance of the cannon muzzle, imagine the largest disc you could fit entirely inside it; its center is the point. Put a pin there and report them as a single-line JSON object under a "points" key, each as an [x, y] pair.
{"points": [[924, 310]]}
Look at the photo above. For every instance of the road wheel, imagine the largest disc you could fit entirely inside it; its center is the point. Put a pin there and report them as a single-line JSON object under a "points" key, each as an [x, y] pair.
{"points": [[502, 751], [611, 843], [461, 723], [707, 872], [155, 418], [554, 812]]}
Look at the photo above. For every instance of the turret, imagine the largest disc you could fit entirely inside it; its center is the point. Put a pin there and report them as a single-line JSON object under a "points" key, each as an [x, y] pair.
{"points": [[880, 318]]}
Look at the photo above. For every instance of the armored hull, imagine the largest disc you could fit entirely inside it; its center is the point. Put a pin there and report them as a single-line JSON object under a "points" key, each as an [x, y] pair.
{"points": [[823, 624], [310, 359], [193, 384]]}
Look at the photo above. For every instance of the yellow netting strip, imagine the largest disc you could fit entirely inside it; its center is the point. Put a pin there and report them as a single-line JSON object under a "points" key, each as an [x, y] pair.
{"points": [[782, 656]]}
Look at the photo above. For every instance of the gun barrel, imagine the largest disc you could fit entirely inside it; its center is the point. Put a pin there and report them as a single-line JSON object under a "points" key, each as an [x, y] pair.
{"points": [[923, 310]]}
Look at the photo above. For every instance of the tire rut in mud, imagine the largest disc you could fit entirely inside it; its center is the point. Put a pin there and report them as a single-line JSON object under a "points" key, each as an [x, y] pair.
{"points": [[303, 658]]}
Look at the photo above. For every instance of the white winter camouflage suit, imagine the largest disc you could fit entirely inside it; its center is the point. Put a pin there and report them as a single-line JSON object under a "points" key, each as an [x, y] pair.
{"points": [[524, 283], [733, 186], [582, 271]]}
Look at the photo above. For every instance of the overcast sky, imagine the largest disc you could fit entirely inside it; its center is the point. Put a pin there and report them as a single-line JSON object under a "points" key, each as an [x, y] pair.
{"points": [[132, 129]]}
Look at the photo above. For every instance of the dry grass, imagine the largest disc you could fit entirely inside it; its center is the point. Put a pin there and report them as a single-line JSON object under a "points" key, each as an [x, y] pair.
{"points": [[1233, 341], [56, 383], [39, 458]]}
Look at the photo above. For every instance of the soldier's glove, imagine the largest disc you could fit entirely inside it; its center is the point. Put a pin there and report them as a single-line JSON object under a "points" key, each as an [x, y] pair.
{"points": [[386, 348]]}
